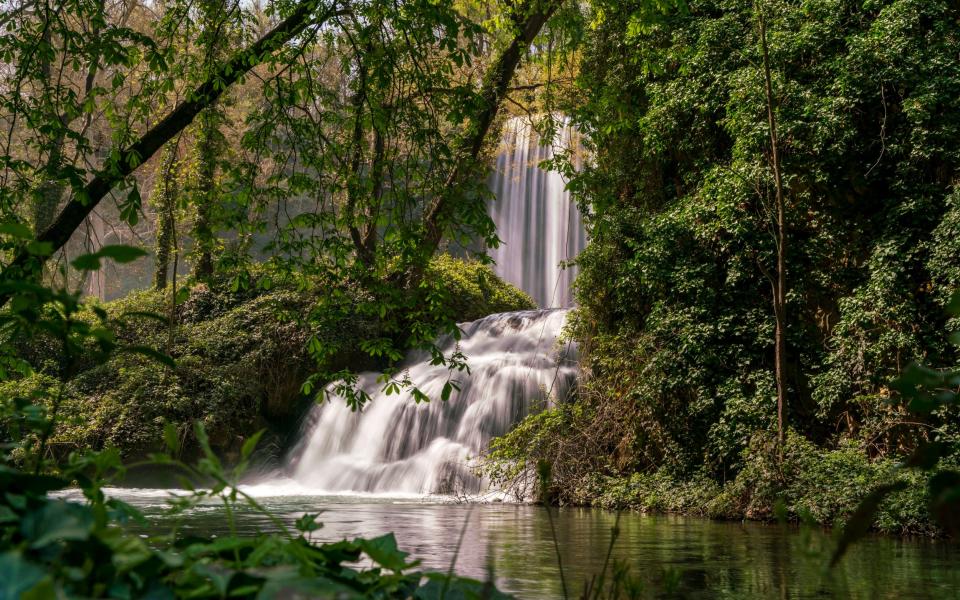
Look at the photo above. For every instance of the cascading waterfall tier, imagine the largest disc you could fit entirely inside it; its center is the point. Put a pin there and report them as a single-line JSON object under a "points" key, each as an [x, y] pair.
{"points": [[396, 445], [537, 221]]}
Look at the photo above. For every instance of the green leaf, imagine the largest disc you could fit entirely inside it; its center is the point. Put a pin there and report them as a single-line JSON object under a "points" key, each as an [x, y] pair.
{"points": [[308, 522], [86, 262], [57, 521], [383, 550], [118, 252], [121, 253], [13, 480], [250, 444], [19, 575], [171, 438], [40, 248], [16, 230], [291, 584], [149, 353]]}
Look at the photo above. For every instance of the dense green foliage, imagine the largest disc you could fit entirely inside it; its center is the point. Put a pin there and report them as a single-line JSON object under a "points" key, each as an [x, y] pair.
{"points": [[241, 357], [675, 319], [329, 150]]}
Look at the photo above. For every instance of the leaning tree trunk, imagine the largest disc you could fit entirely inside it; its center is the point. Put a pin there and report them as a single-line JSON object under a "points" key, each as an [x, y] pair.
{"points": [[26, 264], [528, 18]]}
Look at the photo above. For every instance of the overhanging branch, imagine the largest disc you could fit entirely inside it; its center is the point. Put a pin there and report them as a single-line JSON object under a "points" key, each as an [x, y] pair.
{"points": [[114, 172], [529, 18]]}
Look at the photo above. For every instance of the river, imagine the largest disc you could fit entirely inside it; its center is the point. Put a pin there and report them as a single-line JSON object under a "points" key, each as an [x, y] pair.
{"points": [[690, 557]]}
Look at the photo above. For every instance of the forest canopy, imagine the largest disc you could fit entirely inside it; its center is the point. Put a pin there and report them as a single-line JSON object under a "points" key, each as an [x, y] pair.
{"points": [[215, 213]]}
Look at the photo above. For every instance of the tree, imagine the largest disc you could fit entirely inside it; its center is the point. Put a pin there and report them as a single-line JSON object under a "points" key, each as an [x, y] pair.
{"points": [[778, 280], [397, 97], [163, 199], [123, 161], [218, 21]]}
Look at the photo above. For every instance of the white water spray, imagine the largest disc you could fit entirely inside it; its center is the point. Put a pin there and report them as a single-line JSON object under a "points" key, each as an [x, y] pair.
{"points": [[397, 446], [536, 218]]}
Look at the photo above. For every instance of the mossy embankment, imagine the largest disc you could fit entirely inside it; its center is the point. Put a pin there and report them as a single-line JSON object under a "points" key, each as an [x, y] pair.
{"points": [[240, 357], [812, 485]]}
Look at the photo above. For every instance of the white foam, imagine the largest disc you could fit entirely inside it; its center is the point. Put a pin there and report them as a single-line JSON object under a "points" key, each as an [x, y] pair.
{"points": [[398, 448]]}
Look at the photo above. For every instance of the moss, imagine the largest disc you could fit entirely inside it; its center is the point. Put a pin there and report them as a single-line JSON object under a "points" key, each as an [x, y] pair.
{"points": [[474, 290], [240, 361]]}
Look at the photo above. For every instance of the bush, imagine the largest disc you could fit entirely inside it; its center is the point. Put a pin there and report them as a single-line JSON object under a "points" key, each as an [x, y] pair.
{"points": [[474, 290], [822, 486], [812, 484], [241, 357]]}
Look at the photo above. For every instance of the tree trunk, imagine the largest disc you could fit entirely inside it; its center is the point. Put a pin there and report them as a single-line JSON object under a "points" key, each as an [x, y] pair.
{"points": [[205, 194], [96, 285], [164, 200], [780, 285]]}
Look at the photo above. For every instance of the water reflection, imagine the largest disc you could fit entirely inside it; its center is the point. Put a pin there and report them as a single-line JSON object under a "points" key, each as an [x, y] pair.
{"points": [[693, 557]]}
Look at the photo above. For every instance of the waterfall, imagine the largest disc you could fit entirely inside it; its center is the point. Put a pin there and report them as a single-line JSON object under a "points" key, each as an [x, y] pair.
{"points": [[537, 221], [396, 445]]}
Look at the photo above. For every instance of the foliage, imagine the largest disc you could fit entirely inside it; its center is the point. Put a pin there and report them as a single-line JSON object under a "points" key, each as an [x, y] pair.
{"points": [[928, 391], [813, 485], [822, 486], [674, 318], [472, 289], [52, 546], [241, 357]]}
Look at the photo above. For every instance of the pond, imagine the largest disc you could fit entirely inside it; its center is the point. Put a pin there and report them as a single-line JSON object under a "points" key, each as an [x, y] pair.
{"points": [[694, 558]]}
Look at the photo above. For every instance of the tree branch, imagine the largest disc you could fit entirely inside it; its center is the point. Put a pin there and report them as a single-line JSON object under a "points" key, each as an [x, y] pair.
{"points": [[529, 17], [115, 171]]}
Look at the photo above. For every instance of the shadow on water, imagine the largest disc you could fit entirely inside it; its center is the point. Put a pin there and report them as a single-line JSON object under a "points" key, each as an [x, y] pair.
{"points": [[695, 558]]}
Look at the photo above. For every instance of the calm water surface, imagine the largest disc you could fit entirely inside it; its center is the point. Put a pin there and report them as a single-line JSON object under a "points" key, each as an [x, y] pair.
{"points": [[696, 558]]}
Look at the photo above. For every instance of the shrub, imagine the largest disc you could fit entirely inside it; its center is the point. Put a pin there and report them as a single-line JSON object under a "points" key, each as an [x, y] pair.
{"points": [[241, 357]]}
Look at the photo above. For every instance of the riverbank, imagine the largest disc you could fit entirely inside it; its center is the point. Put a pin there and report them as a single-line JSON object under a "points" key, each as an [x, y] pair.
{"points": [[811, 485], [822, 490]]}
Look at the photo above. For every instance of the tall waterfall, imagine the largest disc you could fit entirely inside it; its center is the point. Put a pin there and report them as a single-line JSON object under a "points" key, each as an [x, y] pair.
{"points": [[536, 219], [395, 445]]}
